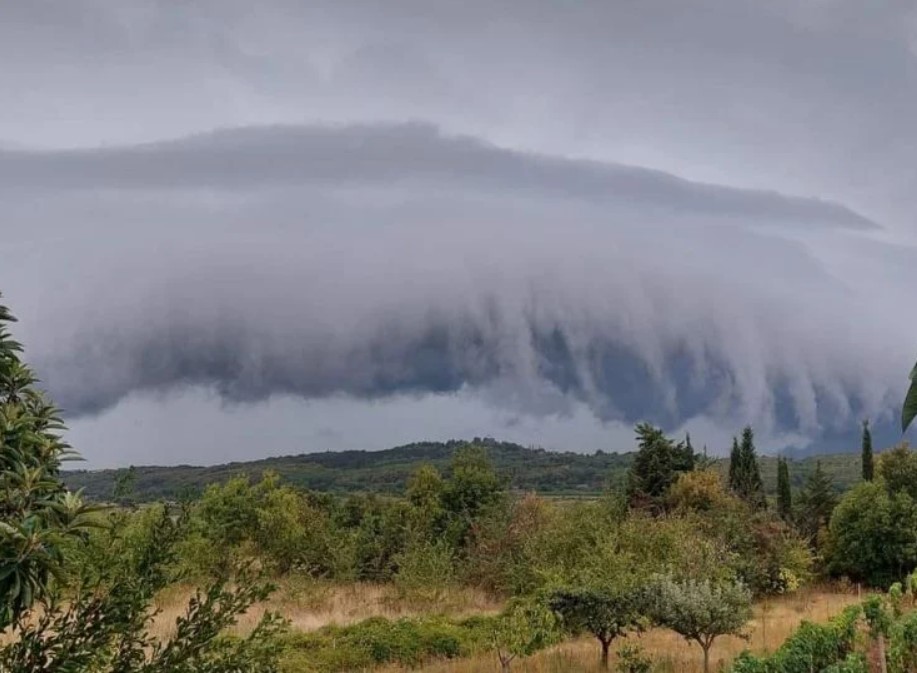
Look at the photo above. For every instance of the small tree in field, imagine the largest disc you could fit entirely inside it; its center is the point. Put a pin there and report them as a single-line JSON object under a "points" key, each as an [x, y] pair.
{"points": [[701, 611], [523, 629], [605, 613]]}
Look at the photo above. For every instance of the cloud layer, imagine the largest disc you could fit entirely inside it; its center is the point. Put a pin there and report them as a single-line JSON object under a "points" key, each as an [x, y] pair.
{"points": [[699, 213], [377, 261]]}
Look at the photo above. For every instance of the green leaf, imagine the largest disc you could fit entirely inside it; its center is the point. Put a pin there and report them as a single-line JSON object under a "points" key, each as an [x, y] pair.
{"points": [[910, 402]]}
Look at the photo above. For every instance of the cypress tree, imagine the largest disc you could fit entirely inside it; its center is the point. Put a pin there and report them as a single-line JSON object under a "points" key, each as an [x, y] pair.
{"points": [[748, 476], [817, 502], [735, 467], [868, 468], [784, 495]]}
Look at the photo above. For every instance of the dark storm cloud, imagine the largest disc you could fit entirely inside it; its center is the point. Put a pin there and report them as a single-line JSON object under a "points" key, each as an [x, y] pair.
{"points": [[391, 260], [508, 247]]}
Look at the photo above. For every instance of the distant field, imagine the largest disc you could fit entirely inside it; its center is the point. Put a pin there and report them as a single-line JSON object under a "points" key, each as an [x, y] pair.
{"points": [[525, 469]]}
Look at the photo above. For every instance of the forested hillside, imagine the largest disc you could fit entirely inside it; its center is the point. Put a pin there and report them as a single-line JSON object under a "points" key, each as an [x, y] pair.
{"points": [[524, 469]]}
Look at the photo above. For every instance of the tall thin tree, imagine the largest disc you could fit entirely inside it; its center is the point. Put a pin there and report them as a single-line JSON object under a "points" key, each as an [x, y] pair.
{"points": [[735, 466], [784, 494], [866, 453], [748, 476]]}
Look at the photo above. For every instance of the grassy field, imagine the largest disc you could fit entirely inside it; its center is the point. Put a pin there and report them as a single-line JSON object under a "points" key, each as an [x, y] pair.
{"points": [[310, 606], [772, 624]]}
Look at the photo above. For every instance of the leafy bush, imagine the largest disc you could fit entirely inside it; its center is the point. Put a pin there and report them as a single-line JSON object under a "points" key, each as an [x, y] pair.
{"points": [[873, 534], [812, 647], [632, 659], [902, 651], [377, 641], [425, 569]]}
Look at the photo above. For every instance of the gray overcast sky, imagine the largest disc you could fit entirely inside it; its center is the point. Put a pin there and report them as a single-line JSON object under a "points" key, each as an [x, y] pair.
{"points": [[232, 233]]}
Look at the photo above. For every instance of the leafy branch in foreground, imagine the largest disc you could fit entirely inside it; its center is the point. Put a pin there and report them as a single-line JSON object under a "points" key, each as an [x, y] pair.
{"points": [[97, 619]]}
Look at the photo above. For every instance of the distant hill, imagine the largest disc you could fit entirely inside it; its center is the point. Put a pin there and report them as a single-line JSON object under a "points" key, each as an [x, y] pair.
{"points": [[387, 471]]}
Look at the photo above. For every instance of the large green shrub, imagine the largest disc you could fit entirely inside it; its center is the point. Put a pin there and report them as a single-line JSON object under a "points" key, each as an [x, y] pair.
{"points": [[873, 535], [378, 641]]}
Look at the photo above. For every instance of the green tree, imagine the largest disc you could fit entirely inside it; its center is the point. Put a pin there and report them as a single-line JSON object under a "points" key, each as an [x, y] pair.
{"points": [[701, 610], [745, 475], [866, 453], [424, 491], [898, 469], [784, 495], [735, 466], [873, 535], [525, 627], [124, 488], [606, 613], [656, 466], [472, 490], [816, 504]]}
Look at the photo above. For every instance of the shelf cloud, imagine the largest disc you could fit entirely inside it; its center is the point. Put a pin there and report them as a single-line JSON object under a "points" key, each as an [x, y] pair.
{"points": [[700, 215]]}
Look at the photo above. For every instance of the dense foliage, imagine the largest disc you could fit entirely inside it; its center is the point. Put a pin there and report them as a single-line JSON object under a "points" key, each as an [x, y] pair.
{"points": [[37, 514], [74, 602]]}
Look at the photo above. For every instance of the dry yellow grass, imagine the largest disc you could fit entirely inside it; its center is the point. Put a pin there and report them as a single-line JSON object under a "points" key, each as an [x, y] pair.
{"points": [[772, 624], [310, 605]]}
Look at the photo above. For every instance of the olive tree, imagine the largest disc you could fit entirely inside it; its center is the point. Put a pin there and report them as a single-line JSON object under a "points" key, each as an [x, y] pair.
{"points": [[603, 612], [701, 610]]}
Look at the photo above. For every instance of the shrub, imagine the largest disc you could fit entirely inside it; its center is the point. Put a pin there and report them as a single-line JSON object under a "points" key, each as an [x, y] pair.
{"points": [[873, 535], [902, 651], [632, 659], [425, 570], [378, 641], [812, 647]]}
